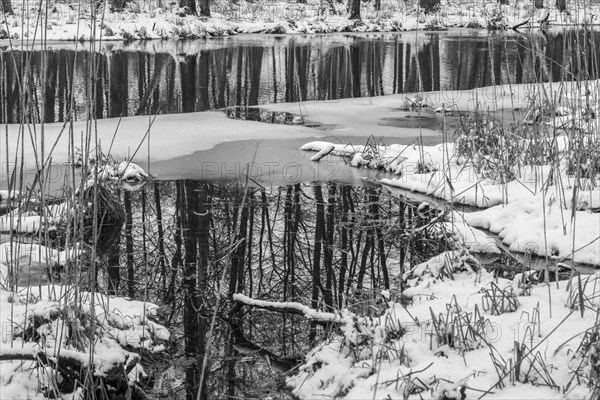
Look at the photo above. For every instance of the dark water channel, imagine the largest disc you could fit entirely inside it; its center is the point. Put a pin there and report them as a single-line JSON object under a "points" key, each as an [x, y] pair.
{"points": [[175, 77]]}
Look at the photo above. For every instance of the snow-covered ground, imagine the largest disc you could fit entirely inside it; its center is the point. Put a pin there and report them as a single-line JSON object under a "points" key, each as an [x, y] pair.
{"points": [[151, 20], [457, 332], [55, 322], [460, 333]]}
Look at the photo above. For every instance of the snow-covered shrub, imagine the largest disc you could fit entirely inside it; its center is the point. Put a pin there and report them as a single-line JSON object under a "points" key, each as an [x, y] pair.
{"points": [[442, 266], [278, 29], [500, 152], [474, 24], [496, 20], [142, 33], [107, 30], [126, 35]]}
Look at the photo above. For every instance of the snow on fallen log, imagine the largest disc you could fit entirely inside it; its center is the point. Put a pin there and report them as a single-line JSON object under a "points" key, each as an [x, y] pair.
{"points": [[289, 307], [326, 150]]}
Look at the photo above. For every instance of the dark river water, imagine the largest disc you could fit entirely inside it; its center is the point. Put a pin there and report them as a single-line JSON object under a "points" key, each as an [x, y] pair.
{"points": [[174, 77]]}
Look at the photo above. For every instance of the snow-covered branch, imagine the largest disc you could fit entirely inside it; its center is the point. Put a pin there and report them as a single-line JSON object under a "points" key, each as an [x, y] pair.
{"points": [[289, 308]]}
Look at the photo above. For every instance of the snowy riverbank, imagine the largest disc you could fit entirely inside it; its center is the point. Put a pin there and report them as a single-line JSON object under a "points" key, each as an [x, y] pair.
{"points": [[68, 22], [535, 201], [461, 333]]}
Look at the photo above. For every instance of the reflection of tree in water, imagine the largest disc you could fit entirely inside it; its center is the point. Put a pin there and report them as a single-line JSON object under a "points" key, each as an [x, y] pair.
{"points": [[190, 246], [137, 82]]}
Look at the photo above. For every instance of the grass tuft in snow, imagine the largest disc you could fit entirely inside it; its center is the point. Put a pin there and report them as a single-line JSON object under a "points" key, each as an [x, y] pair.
{"points": [[585, 363], [498, 301], [458, 329], [584, 292]]}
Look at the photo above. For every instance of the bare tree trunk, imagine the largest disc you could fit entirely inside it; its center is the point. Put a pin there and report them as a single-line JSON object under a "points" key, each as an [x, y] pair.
{"points": [[161, 238], [189, 6], [204, 223], [269, 230], [353, 249], [118, 5], [177, 258], [403, 245], [119, 95], [380, 239], [316, 272], [129, 245], [188, 67], [287, 223], [7, 7], [205, 8], [144, 236], [261, 236], [114, 268], [236, 285], [354, 9], [250, 249], [290, 76], [237, 260], [363, 265], [344, 247], [328, 255], [196, 225], [293, 239]]}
